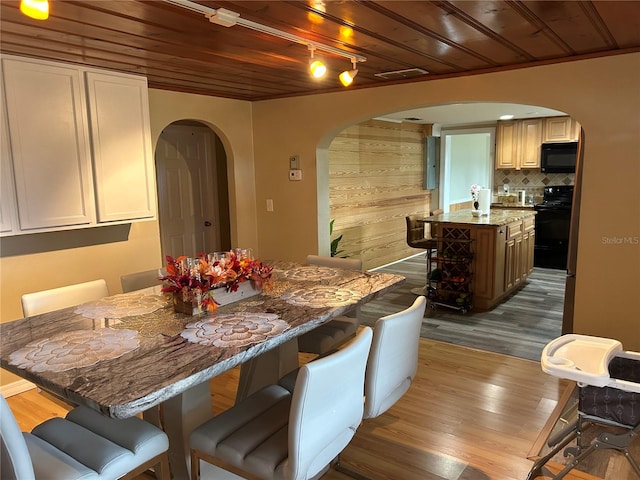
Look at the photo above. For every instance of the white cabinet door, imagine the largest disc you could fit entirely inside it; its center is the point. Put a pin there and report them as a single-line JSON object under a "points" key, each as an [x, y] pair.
{"points": [[49, 144], [121, 143], [8, 220]]}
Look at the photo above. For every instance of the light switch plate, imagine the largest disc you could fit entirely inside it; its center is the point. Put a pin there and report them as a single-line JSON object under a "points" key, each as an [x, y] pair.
{"points": [[294, 162]]}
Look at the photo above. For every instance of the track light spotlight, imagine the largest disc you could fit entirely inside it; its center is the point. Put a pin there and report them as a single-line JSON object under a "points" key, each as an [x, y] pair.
{"points": [[346, 77], [316, 67], [38, 9]]}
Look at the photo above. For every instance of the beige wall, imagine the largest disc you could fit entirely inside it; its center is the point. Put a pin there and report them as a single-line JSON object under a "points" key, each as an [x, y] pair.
{"points": [[602, 94], [41, 261], [231, 121]]}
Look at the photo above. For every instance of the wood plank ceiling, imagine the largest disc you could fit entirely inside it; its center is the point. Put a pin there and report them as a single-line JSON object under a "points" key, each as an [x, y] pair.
{"points": [[181, 50]]}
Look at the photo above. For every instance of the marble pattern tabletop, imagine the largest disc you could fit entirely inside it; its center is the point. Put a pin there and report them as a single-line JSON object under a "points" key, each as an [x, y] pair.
{"points": [[160, 353]]}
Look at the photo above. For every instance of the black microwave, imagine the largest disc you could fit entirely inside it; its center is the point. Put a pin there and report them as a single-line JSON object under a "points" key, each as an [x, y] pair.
{"points": [[558, 157]]}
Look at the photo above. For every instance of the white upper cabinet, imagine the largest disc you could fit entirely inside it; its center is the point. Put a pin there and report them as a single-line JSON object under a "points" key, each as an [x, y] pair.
{"points": [[79, 148], [49, 144], [121, 143], [8, 221]]}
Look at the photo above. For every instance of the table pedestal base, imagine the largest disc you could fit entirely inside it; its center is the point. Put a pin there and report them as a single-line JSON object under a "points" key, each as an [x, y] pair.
{"points": [[180, 416]]}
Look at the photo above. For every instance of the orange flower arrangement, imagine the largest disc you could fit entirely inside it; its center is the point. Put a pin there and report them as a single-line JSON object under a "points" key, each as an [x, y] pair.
{"points": [[195, 278]]}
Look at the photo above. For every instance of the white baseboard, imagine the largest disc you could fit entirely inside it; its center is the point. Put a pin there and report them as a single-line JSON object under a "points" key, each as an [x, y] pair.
{"points": [[14, 388]]}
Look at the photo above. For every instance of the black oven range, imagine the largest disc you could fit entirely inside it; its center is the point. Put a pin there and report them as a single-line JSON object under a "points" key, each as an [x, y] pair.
{"points": [[552, 227]]}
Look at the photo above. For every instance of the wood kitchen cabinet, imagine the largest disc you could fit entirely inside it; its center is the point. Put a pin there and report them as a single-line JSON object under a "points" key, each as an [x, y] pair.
{"points": [[560, 129], [79, 147], [507, 138], [488, 274], [513, 255], [502, 251], [528, 244], [518, 143]]}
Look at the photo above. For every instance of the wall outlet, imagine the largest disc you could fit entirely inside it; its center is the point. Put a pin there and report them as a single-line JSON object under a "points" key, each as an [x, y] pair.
{"points": [[295, 175]]}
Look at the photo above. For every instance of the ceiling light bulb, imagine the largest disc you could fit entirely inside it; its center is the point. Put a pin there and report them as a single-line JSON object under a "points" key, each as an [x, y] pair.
{"points": [[346, 77], [38, 9], [317, 69]]}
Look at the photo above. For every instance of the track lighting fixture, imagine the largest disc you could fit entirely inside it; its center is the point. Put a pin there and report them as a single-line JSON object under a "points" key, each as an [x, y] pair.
{"points": [[346, 77], [38, 9], [316, 67], [228, 18]]}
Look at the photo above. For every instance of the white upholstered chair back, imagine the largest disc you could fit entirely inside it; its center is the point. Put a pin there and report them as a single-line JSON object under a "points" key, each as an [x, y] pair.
{"points": [[49, 300], [281, 434], [393, 361], [84, 445], [15, 461], [326, 407]]}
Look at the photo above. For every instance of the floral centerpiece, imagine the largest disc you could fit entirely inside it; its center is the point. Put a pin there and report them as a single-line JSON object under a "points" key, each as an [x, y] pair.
{"points": [[475, 192], [192, 281]]}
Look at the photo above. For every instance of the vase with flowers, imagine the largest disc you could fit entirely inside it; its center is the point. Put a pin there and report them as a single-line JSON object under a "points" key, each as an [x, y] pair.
{"points": [[196, 282], [475, 192]]}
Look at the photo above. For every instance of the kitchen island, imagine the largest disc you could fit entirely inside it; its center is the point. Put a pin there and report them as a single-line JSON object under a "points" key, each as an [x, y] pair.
{"points": [[481, 260]]}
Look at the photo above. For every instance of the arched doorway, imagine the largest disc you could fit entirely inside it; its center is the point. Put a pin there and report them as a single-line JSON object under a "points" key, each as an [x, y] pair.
{"points": [[193, 197], [389, 183]]}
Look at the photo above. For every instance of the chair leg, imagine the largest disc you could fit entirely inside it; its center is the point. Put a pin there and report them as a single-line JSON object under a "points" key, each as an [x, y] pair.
{"points": [[349, 471], [160, 465], [606, 441], [195, 465], [162, 468], [570, 433]]}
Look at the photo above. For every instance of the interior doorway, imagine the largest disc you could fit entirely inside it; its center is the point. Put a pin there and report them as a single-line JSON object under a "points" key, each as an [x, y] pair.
{"points": [[467, 159], [193, 198]]}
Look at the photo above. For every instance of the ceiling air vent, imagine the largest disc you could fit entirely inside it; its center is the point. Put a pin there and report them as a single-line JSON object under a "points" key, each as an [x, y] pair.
{"points": [[400, 74]]}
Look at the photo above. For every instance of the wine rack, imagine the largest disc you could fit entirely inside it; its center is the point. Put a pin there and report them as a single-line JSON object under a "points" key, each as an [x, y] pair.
{"points": [[449, 283]]}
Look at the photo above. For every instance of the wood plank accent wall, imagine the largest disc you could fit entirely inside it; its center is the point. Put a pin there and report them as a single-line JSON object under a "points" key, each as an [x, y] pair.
{"points": [[376, 179]]}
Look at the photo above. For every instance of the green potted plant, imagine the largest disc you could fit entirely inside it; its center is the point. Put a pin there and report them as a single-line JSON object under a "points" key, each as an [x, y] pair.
{"points": [[335, 251]]}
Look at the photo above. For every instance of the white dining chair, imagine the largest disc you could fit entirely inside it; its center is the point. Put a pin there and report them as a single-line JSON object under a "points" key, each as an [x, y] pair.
{"points": [[62, 297], [392, 364], [277, 434], [139, 280], [84, 445], [330, 335]]}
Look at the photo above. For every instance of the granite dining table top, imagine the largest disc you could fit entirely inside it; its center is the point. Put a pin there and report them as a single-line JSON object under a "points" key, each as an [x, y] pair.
{"points": [[128, 352]]}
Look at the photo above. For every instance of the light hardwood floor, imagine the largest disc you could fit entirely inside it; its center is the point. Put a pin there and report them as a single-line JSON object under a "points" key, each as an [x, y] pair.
{"points": [[469, 415]]}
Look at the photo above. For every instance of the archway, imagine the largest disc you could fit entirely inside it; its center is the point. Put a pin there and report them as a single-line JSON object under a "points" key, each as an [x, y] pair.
{"points": [[193, 197], [532, 181]]}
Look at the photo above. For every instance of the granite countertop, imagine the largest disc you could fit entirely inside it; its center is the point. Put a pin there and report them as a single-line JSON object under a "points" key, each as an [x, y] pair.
{"points": [[506, 205], [496, 217]]}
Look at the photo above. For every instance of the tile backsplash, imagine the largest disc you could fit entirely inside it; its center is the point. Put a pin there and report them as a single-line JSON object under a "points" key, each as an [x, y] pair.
{"points": [[532, 181]]}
